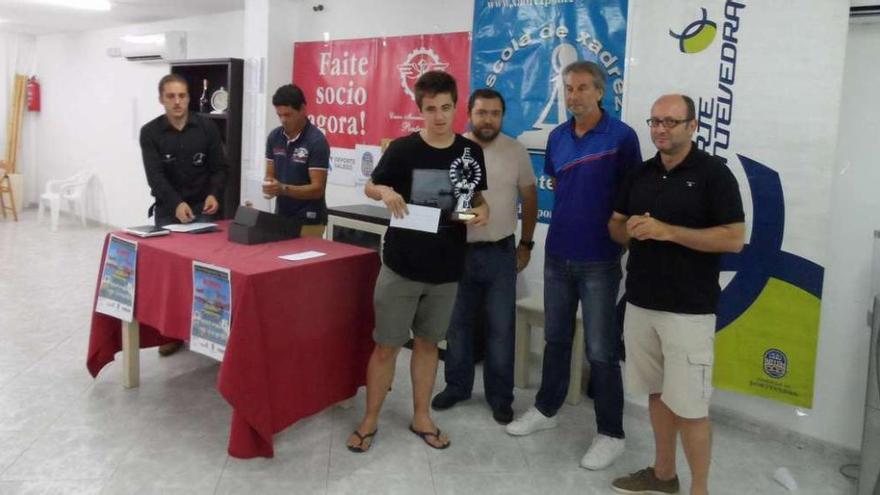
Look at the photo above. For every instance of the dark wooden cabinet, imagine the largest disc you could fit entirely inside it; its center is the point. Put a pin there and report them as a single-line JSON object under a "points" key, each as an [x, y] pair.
{"points": [[226, 73]]}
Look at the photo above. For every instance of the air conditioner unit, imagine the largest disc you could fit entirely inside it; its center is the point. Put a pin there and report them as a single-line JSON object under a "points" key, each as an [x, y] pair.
{"points": [[170, 45]]}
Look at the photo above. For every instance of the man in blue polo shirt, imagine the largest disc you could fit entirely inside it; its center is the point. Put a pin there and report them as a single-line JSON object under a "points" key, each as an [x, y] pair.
{"points": [[587, 158], [297, 161]]}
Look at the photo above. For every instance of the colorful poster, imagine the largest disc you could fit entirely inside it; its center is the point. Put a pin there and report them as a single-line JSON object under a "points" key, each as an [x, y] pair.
{"points": [[520, 50], [768, 107], [211, 310], [118, 279], [360, 92]]}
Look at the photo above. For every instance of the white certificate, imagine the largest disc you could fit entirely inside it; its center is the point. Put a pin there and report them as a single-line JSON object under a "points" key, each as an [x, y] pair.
{"points": [[422, 218], [304, 255]]}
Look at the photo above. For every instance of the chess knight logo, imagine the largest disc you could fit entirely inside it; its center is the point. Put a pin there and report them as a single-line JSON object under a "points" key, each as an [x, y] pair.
{"points": [[554, 111], [418, 62]]}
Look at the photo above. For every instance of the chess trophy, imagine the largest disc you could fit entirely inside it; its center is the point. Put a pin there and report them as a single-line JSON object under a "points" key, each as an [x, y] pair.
{"points": [[465, 174]]}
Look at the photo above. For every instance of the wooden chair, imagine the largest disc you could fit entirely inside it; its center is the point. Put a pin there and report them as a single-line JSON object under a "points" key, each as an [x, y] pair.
{"points": [[6, 190]]}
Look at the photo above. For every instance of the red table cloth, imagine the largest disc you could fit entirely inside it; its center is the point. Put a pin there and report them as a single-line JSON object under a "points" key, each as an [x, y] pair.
{"points": [[300, 333]]}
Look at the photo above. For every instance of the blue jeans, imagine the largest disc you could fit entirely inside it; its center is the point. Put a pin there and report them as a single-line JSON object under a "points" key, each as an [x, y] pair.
{"points": [[595, 286], [489, 282]]}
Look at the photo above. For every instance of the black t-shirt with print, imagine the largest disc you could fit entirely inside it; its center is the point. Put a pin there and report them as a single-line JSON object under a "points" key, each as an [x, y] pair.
{"points": [[420, 173]]}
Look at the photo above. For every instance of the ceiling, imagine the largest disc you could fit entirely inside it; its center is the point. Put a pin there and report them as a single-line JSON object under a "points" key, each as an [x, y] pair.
{"points": [[39, 17]]}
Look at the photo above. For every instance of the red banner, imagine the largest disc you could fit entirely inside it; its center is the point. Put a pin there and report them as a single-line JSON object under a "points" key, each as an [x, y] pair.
{"points": [[361, 91]]}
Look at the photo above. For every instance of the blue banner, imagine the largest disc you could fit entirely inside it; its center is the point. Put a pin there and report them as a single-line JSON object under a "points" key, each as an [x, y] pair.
{"points": [[520, 47]]}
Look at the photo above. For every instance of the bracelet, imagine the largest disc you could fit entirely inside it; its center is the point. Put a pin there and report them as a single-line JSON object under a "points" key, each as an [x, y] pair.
{"points": [[527, 244]]}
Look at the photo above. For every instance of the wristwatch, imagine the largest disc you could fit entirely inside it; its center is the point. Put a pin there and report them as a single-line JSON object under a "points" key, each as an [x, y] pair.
{"points": [[527, 244]]}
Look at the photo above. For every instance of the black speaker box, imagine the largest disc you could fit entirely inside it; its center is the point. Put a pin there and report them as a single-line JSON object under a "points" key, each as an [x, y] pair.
{"points": [[252, 226]]}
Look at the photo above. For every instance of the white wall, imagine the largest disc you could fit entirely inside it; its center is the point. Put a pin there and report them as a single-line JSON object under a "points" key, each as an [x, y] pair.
{"points": [[94, 106], [17, 57]]}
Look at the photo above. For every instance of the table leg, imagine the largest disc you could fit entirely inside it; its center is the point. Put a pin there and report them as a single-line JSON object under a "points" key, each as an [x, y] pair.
{"points": [[574, 394], [328, 234], [523, 345], [131, 347]]}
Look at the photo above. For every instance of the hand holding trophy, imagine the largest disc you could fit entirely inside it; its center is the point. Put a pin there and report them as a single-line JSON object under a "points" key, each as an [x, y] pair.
{"points": [[465, 174]]}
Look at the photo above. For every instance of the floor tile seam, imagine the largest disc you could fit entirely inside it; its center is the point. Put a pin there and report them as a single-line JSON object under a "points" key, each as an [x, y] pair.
{"points": [[30, 444], [330, 448], [220, 476]]}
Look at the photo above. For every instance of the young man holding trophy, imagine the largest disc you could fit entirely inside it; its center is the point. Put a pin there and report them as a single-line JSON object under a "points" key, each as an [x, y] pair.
{"points": [[417, 285]]}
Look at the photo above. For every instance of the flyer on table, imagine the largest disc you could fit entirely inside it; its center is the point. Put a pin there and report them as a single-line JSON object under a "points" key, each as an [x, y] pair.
{"points": [[211, 310], [116, 292]]}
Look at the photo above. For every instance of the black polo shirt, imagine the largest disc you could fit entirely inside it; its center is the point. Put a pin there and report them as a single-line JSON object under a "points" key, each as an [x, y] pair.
{"points": [[185, 165], [700, 192]]}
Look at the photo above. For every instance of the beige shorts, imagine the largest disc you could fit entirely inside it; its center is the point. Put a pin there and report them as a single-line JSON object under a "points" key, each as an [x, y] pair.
{"points": [[670, 354], [402, 304]]}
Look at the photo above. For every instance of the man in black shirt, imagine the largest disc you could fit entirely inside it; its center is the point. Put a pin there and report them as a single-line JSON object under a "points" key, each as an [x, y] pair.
{"points": [[184, 163], [417, 285], [183, 158], [676, 214]]}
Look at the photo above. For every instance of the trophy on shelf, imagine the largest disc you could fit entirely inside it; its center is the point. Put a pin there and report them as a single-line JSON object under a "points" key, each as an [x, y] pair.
{"points": [[465, 174], [203, 100], [220, 100]]}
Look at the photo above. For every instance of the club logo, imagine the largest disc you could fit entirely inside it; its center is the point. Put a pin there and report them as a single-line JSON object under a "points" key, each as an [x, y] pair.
{"points": [[300, 154], [775, 363], [697, 36], [418, 62], [367, 164]]}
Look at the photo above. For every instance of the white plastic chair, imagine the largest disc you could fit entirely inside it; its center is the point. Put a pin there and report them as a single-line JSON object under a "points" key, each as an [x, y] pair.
{"points": [[72, 190]]}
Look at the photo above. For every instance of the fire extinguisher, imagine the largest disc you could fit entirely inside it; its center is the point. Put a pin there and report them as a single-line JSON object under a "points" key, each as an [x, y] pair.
{"points": [[33, 94]]}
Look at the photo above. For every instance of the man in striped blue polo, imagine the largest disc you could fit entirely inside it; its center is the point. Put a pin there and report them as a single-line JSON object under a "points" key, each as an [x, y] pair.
{"points": [[587, 158]]}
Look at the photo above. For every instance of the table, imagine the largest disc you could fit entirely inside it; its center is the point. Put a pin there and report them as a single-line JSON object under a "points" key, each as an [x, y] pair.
{"points": [[530, 313], [300, 334], [369, 221]]}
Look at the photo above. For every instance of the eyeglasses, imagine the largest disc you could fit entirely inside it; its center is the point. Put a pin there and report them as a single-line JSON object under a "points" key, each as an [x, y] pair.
{"points": [[667, 123]]}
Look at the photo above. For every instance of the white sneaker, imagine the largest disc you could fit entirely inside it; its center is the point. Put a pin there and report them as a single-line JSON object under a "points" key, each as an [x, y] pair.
{"points": [[531, 422], [603, 452]]}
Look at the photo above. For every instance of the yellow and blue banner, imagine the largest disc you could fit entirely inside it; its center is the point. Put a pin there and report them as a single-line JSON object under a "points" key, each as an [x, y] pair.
{"points": [[765, 89]]}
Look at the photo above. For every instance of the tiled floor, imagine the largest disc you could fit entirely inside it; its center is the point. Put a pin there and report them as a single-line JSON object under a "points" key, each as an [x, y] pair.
{"points": [[63, 432]]}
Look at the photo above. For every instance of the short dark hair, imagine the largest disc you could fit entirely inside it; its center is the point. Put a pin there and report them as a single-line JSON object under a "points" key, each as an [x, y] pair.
{"points": [[691, 108], [289, 95], [434, 82], [486, 94], [169, 78]]}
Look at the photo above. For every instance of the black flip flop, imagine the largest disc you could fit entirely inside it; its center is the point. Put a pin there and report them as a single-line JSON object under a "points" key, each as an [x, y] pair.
{"points": [[425, 434], [360, 448]]}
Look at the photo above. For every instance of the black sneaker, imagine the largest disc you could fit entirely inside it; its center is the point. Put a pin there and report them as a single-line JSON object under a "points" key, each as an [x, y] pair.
{"points": [[645, 481], [502, 415], [446, 399]]}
